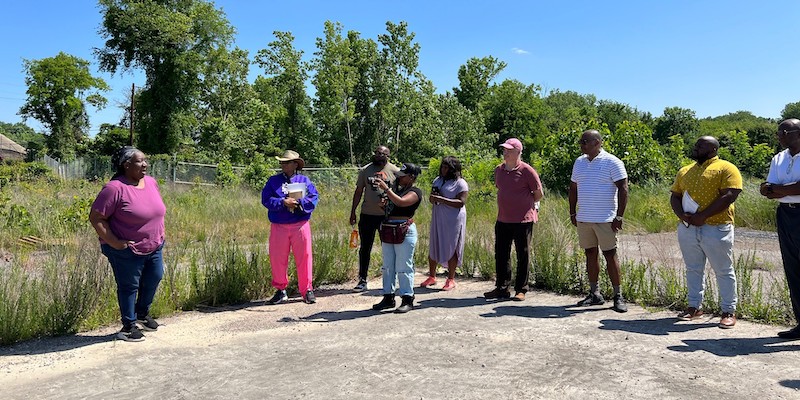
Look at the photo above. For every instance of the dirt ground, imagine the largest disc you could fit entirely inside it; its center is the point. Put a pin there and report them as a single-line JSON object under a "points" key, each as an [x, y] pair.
{"points": [[455, 345]]}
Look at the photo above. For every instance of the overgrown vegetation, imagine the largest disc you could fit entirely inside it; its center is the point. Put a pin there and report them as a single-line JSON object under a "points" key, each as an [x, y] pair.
{"points": [[216, 251]]}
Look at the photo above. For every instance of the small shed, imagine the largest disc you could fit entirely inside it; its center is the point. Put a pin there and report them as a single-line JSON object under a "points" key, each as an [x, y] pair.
{"points": [[10, 150]]}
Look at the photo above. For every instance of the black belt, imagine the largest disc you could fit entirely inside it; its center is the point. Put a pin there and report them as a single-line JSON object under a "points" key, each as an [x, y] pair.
{"points": [[791, 205]]}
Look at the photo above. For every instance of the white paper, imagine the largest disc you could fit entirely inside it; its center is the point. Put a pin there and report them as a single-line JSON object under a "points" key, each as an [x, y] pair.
{"points": [[295, 187], [689, 205]]}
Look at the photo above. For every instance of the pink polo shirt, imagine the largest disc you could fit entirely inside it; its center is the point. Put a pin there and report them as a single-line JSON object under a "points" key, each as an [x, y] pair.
{"points": [[133, 214], [515, 193]]}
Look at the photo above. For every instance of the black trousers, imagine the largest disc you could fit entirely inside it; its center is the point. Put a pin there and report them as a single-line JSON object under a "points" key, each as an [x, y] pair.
{"points": [[520, 235], [367, 226], [788, 221]]}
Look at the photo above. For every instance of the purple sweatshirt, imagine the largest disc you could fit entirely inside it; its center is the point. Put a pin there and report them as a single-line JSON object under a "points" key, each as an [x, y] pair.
{"points": [[273, 194]]}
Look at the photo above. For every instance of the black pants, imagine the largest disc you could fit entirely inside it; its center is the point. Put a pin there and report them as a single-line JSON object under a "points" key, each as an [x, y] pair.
{"points": [[788, 219], [367, 226], [520, 234]]}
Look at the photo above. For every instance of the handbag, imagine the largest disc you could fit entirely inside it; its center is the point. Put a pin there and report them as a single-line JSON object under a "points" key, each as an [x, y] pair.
{"points": [[394, 232]]}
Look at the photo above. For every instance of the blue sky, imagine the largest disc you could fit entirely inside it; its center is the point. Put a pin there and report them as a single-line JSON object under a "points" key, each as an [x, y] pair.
{"points": [[714, 57]]}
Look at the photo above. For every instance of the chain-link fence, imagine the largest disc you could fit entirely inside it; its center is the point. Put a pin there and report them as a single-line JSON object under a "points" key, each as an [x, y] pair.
{"points": [[183, 172]]}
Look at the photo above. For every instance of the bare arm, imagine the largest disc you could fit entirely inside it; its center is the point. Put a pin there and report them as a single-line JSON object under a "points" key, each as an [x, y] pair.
{"points": [[100, 225], [573, 202], [775, 191], [622, 202], [726, 198], [405, 201], [458, 202], [677, 207], [356, 199]]}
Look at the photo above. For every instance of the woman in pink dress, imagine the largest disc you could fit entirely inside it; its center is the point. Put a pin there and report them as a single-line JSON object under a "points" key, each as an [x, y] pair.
{"points": [[448, 223]]}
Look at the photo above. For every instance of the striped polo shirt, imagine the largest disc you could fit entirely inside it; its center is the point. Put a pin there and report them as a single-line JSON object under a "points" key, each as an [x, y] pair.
{"points": [[597, 192]]}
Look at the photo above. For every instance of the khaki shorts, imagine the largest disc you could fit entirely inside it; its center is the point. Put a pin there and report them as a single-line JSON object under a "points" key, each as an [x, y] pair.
{"points": [[596, 235]]}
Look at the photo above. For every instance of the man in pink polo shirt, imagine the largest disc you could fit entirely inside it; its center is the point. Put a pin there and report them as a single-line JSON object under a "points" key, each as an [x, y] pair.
{"points": [[518, 191]]}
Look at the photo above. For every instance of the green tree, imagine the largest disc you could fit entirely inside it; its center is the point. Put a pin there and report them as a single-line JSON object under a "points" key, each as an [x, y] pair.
{"points": [[613, 113], [403, 96], [474, 78], [791, 110], [676, 121], [234, 124], [285, 90], [568, 109], [109, 139], [513, 109], [633, 143], [171, 41], [58, 89], [22, 134], [335, 81]]}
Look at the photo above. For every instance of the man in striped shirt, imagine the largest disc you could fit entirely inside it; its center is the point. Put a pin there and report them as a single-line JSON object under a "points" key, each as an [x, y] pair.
{"points": [[598, 194]]}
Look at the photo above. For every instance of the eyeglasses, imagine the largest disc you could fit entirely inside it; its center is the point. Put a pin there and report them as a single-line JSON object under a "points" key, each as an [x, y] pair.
{"points": [[586, 141], [286, 162], [784, 132], [380, 153]]}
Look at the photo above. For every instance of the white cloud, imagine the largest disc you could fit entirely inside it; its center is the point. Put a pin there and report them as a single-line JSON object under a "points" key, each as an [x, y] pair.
{"points": [[519, 51]]}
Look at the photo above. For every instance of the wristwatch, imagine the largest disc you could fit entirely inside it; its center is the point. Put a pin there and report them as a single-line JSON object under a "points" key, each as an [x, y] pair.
{"points": [[618, 218]]}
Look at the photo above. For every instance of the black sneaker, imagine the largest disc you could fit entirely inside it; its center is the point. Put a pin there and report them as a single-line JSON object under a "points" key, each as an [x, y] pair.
{"points": [[148, 323], [309, 297], [387, 302], [619, 304], [130, 334], [497, 293], [593, 299], [362, 286], [406, 305], [279, 297]]}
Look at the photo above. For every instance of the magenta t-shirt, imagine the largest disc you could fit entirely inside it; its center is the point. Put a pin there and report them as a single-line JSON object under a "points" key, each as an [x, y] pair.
{"points": [[515, 193], [133, 214]]}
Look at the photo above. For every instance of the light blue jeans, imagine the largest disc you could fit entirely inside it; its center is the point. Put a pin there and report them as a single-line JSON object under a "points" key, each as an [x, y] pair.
{"points": [[398, 260], [715, 243]]}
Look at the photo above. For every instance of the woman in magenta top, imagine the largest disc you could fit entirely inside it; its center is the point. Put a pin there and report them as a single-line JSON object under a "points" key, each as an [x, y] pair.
{"points": [[128, 216]]}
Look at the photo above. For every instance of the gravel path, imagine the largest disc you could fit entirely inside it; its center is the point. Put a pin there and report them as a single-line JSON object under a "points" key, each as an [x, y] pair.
{"points": [[455, 345]]}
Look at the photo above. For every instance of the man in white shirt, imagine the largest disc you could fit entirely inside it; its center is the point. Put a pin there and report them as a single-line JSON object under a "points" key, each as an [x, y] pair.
{"points": [[783, 184], [599, 190]]}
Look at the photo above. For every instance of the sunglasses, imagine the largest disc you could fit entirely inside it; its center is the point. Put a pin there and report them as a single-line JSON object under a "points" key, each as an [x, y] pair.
{"points": [[784, 132], [286, 162]]}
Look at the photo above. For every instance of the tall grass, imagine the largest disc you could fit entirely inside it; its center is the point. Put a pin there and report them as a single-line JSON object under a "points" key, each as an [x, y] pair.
{"points": [[216, 253]]}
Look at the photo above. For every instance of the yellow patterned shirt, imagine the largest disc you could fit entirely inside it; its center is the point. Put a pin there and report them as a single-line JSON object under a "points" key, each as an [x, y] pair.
{"points": [[704, 181]]}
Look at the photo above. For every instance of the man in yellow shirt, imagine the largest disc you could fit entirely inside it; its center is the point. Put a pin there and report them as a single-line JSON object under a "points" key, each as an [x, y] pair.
{"points": [[702, 197]]}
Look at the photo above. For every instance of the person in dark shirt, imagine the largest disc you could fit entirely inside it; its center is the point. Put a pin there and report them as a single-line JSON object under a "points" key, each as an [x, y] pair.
{"points": [[398, 259]]}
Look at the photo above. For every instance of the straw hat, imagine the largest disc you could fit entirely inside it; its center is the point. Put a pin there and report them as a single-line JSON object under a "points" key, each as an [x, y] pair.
{"points": [[291, 155]]}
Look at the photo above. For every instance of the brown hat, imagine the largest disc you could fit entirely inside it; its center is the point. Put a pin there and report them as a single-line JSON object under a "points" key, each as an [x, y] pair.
{"points": [[291, 155]]}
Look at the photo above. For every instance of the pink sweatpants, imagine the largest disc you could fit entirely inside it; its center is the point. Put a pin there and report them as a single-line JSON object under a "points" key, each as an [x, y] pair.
{"points": [[297, 238]]}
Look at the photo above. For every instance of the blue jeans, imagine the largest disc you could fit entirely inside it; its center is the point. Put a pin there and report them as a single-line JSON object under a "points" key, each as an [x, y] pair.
{"points": [[715, 243], [136, 276], [398, 260]]}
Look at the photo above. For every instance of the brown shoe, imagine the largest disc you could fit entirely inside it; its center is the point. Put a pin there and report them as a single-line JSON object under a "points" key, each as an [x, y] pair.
{"points": [[690, 314], [497, 293], [727, 320], [519, 296]]}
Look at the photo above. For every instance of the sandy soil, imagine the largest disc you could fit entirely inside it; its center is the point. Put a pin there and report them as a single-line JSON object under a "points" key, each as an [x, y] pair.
{"points": [[454, 345]]}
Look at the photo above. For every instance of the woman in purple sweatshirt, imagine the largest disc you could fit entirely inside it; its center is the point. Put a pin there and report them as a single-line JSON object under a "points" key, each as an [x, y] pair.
{"points": [[290, 199]]}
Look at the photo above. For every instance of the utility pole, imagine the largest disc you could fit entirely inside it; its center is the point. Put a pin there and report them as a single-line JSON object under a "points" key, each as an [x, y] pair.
{"points": [[133, 90]]}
